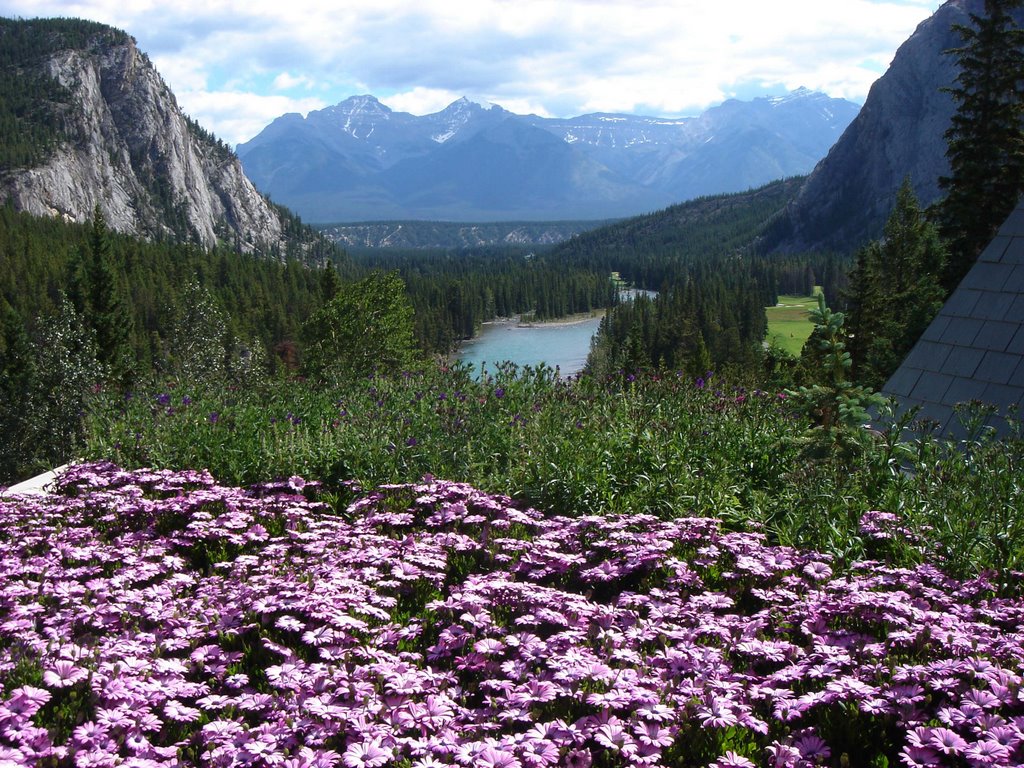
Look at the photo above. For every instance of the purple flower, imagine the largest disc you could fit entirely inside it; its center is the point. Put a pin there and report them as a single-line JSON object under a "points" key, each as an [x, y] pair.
{"points": [[717, 714], [946, 741], [783, 755], [919, 757], [175, 710], [986, 753], [366, 754], [303, 633], [732, 760], [23, 703], [817, 571], [491, 757], [63, 674], [812, 746]]}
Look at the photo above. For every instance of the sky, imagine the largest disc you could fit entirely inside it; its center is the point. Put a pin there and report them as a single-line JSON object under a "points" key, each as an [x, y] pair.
{"points": [[235, 65]]}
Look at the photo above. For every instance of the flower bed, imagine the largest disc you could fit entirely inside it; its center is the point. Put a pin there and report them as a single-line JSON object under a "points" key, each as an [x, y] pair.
{"points": [[157, 618]]}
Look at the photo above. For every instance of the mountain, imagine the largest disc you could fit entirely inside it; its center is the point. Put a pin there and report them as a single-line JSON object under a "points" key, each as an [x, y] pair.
{"points": [[899, 132], [359, 160], [86, 120], [443, 234]]}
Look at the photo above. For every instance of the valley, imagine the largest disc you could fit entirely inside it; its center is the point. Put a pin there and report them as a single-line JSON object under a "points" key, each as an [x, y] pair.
{"points": [[324, 499]]}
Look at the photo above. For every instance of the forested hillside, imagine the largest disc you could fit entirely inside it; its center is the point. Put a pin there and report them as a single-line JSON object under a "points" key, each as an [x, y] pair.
{"points": [[712, 283], [33, 107], [263, 301], [447, 234], [705, 250], [454, 290]]}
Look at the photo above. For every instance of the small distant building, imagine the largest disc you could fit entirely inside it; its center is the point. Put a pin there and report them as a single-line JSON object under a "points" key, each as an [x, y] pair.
{"points": [[974, 349]]}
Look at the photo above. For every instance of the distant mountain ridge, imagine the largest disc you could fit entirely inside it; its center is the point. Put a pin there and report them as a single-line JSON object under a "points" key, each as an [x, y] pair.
{"points": [[359, 160], [107, 131], [455, 235]]}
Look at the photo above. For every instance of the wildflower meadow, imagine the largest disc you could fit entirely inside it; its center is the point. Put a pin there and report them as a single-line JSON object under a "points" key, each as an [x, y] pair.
{"points": [[155, 617], [510, 571]]}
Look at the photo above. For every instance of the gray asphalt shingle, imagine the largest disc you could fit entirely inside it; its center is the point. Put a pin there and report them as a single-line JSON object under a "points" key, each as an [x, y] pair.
{"points": [[974, 349]]}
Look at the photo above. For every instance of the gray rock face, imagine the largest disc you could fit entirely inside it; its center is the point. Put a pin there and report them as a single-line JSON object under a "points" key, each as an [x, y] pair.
{"points": [[136, 155], [899, 132]]}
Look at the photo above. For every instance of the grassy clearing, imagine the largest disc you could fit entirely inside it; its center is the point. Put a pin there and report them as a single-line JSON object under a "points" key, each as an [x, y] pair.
{"points": [[789, 324]]}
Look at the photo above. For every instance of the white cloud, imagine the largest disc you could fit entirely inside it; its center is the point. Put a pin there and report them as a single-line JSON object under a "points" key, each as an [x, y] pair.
{"points": [[239, 116], [286, 82], [554, 57], [421, 101]]}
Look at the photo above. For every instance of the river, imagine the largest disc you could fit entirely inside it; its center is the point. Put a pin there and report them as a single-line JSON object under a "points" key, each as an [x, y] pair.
{"points": [[562, 345]]}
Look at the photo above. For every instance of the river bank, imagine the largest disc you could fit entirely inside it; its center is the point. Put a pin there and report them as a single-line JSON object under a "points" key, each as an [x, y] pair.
{"points": [[562, 343]]}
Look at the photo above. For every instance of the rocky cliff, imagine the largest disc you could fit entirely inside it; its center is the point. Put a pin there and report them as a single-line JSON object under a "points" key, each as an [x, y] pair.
{"points": [[126, 146], [898, 133]]}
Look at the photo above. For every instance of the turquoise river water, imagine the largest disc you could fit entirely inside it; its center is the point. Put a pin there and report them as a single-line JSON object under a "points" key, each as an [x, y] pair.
{"points": [[561, 345]]}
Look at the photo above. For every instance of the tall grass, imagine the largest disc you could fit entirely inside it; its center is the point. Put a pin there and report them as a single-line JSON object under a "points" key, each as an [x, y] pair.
{"points": [[660, 444]]}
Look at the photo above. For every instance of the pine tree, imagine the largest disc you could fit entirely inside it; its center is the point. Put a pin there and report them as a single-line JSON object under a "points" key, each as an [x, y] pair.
{"points": [[986, 136], [895, 291], [835, 406], [17, 391], [106, 308]]}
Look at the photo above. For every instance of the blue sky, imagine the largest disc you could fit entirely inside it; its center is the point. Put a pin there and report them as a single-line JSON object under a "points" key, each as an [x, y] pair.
{"points": [[235, 65]]}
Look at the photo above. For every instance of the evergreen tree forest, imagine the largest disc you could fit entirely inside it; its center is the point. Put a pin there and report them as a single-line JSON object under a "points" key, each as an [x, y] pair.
{"points": [[895, 291], [986, 136], [453, 291], [709, 279], [84, 309]]}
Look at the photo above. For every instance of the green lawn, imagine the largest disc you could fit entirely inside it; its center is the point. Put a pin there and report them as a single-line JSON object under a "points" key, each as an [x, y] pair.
{"points": [[789, 324]]}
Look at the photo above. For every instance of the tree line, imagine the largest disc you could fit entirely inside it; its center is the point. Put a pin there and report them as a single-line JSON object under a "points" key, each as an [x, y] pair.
{"points": [[453, 291], [83, 308]]}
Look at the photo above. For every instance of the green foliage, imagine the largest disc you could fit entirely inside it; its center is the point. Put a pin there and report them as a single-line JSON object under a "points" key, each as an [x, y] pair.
{"points": [[668, 445], [157, 297], [368, 326], [196, 340], [105, 306], [454, 291], [264, 301], [648, 250], [715, 318], [985, 137], [713, 285], [44, 389], [69, 371], [18, 377], [895, 291], [836, 407]]}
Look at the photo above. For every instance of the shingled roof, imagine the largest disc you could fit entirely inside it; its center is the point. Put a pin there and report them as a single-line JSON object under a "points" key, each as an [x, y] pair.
{"points": [[974, 349]]}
